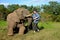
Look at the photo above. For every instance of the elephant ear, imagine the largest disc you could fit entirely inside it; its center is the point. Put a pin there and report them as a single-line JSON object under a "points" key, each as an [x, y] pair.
{"points": [[25, 12], [22, 13], [19, 13]]}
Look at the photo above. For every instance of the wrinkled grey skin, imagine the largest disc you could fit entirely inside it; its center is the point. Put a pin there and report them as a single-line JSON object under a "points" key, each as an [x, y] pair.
{"points": [[17, 17]]}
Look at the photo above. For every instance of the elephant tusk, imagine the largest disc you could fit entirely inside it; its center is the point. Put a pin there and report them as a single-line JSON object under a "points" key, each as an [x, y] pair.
{"points": [[29, 15]]}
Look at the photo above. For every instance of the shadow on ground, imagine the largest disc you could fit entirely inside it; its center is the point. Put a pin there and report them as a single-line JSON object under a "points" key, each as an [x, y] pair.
{"points": [[16, 29], [41, 28]]}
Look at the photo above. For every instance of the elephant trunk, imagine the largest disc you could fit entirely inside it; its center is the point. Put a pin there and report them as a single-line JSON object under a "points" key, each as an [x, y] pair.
{"points": [[29, 22]]}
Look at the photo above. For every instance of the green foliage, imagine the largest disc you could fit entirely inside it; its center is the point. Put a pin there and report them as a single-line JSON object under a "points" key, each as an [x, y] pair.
{"points": [[56, 18], [24, 6], [2, 8], [31, 8], [54, 9], [13, 7], [4, 11]]}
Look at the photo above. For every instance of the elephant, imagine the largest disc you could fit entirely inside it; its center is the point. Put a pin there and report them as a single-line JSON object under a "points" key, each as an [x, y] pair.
{"points": [[17, 17]]}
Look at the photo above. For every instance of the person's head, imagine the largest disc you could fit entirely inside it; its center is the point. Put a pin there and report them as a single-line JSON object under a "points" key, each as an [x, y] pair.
{"points": [[34, 11]]}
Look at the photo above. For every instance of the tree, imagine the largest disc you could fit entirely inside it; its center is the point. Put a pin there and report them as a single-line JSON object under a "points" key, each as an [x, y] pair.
{"points": [[2, 8], [24, 6], [13, 7], [2, 11], [37, 8], [31, 8], [53, 8]]}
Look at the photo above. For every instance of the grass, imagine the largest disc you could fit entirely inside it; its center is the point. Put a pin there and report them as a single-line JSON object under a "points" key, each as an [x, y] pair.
{"points": [[3, 24], [51, 31]]}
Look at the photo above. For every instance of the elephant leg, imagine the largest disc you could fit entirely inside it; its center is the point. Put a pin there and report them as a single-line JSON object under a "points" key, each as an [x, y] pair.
{"points": [[10, 28], [21, 29]]}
